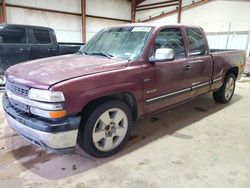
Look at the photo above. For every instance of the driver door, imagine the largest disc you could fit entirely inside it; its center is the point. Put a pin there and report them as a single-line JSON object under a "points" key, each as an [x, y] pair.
{"points": [[167, 83]]}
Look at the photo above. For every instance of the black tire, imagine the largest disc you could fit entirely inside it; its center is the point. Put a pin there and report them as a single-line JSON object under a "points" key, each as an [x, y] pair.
{"points": [[85, 138], [221, 95]]}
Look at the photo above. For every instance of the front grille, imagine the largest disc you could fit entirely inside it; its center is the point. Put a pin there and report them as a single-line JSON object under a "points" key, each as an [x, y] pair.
{"points": [[17, 89], [19, 106]]}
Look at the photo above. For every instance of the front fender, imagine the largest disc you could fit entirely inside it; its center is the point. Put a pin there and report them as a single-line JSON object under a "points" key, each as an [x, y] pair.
{"points": [[80, 91]]}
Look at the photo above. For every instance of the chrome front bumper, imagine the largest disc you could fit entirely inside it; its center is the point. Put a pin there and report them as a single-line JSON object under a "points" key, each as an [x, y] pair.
{"points": [[58, 135], [55, 141]]}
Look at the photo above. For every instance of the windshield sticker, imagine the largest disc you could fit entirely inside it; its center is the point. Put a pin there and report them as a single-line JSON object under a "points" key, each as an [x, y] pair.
{"points": [[141, 29]]}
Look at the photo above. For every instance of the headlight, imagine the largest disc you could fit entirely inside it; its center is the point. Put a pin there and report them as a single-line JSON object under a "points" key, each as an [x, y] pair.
{"points": [[48, 114], [46, 95]]}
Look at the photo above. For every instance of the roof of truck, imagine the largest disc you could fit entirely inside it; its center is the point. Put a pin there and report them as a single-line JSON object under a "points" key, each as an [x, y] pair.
{"points": [[153, 24], [20, 25]]}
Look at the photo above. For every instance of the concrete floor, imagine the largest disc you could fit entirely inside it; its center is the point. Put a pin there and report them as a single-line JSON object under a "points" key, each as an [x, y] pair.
{"points": [[197, 145]]}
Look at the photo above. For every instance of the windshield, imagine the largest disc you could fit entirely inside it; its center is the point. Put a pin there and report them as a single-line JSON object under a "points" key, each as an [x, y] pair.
{"points": [[121, 42]]}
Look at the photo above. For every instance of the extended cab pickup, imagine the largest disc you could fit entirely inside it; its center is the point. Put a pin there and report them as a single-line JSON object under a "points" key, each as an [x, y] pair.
{"points": [[19, 43], [123, 73]]}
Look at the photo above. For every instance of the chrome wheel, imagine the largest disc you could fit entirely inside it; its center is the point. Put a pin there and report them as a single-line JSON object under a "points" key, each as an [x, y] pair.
{"points": [[229, 89], [110, 129]]}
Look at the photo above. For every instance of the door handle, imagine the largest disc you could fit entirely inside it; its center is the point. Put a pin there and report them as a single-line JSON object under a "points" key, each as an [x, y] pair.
{"points": [[187, 67]]}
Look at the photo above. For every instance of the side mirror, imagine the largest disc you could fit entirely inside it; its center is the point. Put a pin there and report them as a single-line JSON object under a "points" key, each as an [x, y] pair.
{"points": [[163, 54]]}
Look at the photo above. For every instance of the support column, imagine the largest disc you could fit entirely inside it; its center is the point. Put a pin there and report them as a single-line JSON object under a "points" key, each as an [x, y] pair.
{"points": [[179, 11], [83, 7], [133, 9], [228, 34], [3, 17], [247, 43]]}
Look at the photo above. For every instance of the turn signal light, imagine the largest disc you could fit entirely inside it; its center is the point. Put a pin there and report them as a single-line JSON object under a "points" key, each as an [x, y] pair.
{"points": [[57, 114], [48, 114]]}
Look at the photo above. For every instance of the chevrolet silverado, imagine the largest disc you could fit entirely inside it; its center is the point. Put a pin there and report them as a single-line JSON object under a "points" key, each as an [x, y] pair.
{"points": [[122, 74]]}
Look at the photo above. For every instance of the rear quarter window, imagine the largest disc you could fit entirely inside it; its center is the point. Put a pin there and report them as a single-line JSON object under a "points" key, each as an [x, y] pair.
{"points": [[41, 36], [13, 35], [197, 43]]}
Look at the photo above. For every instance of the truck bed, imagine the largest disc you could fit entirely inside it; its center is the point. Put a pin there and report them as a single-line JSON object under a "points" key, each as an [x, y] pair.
{"points": [[222, 50], [226, 57]]}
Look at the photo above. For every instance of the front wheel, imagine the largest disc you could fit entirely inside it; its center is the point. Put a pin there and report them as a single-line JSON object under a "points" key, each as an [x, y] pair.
{"points": [[225, 93], [106, 129]]}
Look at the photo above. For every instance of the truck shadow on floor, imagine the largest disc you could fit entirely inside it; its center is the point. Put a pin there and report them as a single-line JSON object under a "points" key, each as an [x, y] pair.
{"points": [[54, 166]]}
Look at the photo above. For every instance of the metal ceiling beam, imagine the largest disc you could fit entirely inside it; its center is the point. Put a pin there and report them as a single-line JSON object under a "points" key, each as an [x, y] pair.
{"points": [[63, 12], [176, 11], [107, 18], [43, 9], [137, 2], [162, 6], [159, 3]]}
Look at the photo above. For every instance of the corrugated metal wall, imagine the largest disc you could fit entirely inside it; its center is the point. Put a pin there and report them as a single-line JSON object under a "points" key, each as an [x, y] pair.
{"points": [[231, 41], [217, 18], [68, 27]]}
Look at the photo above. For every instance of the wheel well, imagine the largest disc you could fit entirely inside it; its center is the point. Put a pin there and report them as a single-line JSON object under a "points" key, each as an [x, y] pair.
{"points": [[127, 98], [233, 70]]}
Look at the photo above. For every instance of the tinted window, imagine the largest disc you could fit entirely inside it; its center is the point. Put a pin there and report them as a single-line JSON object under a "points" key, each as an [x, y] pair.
{"points": [[170, 38], [196, 40], [13, 35], [41, 36]]}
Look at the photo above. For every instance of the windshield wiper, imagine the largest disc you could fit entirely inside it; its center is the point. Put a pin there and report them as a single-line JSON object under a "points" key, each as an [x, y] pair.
{"points": [[96, 53], [101, 54]]}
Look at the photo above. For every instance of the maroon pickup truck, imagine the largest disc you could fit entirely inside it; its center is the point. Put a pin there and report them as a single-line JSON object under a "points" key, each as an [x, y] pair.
{"points": [[122, 74]]}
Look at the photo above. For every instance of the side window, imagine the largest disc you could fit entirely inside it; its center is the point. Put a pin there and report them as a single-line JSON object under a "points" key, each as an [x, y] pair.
{"points": [[170, 38], [13, 35], [41, 36], [196, 42]]}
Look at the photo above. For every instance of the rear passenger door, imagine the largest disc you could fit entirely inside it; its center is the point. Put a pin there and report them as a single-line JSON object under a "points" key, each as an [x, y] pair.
{"points": [[42, 43], [199, 60], [14, 47]]}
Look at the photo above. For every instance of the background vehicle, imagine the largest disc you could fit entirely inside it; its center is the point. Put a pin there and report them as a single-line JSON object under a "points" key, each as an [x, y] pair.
{"points": [[124, 73], [19, 43]]}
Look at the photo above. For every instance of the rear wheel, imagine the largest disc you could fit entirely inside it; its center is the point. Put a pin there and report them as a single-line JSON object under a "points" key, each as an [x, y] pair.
{"points": [[106, 129], [225, 93]]}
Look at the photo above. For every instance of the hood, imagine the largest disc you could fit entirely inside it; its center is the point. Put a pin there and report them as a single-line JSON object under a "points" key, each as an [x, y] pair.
{"points": [[43, 73]]}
